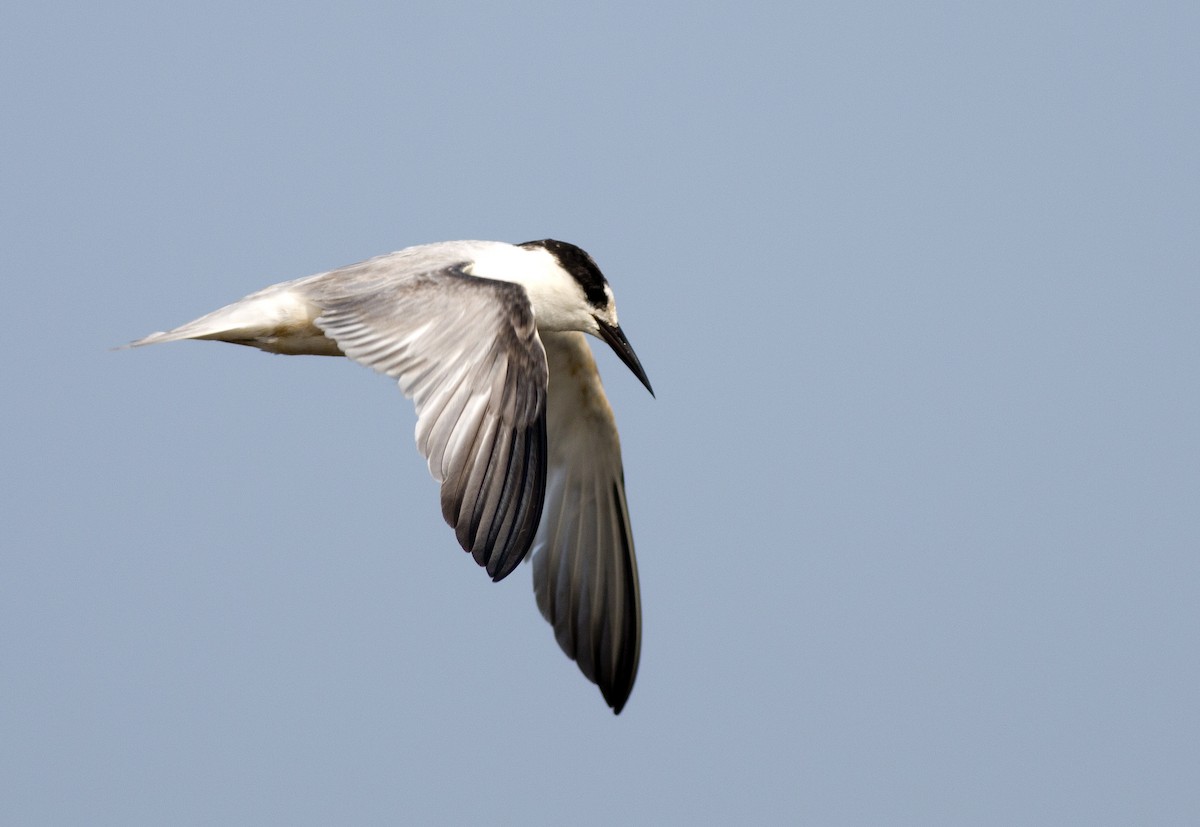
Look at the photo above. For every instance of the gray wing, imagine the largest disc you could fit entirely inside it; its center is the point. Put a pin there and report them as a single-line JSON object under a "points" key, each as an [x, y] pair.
{"points": [[584, 571], [467, 351]]}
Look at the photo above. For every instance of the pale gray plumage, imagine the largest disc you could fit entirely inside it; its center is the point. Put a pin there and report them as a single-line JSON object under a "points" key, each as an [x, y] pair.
{"points": [[466, 350], [512, 418]]}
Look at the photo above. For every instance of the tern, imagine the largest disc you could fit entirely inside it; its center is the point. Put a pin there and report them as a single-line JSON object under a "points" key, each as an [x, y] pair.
{"points": [[487, 338]]}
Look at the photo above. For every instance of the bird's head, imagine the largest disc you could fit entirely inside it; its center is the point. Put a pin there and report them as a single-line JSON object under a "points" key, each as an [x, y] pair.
{"points": [[593, 309]]}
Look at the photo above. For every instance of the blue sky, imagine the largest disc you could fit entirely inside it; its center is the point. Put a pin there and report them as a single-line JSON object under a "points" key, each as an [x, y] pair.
{"points": [[915, 508]]}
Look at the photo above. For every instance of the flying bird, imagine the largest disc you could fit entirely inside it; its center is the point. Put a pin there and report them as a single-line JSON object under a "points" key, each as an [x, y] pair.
{"points": [[487, 338]]}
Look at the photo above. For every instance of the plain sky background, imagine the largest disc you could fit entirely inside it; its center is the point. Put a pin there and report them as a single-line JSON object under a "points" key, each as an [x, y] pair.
{"points": [[917, 508]]}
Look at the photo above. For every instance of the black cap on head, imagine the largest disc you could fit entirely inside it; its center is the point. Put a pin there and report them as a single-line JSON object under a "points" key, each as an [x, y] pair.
{"points": [[579, 264], [581, 267]]}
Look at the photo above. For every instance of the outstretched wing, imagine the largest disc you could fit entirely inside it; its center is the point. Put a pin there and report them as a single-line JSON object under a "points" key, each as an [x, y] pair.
{"points": [[467, 351], [584, 571]]}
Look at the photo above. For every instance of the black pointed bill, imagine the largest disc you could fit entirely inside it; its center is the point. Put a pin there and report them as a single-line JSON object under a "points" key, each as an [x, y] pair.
{"points": [[615, 337]]}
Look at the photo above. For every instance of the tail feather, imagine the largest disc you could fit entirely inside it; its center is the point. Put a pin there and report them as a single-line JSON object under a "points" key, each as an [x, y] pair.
{"points": [[274, 319], [175, 335], [202, 328]]}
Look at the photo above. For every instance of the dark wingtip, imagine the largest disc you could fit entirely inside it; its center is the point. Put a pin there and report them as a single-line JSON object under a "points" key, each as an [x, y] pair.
{"points": [[616, 695], [530, 492]]}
